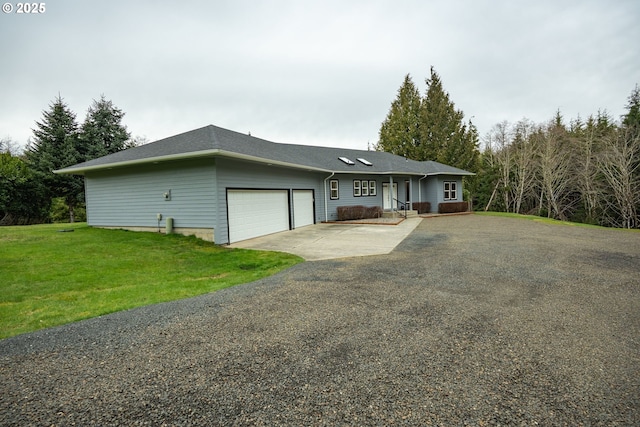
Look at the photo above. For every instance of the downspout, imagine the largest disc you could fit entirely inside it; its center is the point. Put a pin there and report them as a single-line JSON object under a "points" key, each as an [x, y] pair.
{"points": [[326, 209], [420, 188], [86, 200]]}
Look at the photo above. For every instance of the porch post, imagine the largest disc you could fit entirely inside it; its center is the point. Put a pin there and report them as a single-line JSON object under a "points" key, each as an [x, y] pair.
{"points": [[391, 192]]}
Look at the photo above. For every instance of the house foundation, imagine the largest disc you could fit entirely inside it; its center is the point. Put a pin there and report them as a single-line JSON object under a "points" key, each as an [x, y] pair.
{"points": [[205, 234]]}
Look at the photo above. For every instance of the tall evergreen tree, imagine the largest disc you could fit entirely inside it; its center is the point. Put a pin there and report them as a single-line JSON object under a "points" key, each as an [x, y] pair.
{"points": [[429, 128], [631, 120], [22, 197], [400, 131], [102, 132], [444, 136], [55, 146]]}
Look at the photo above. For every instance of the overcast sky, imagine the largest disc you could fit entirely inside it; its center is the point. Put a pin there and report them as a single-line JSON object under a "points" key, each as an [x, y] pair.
{"points": [[317, 73]]}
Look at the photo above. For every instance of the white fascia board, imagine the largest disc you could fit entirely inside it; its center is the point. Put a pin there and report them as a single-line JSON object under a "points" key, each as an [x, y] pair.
{"points": [[385, 173], [452, 173], [230, 154], [156, 159], [269, 162], [196, 154]]}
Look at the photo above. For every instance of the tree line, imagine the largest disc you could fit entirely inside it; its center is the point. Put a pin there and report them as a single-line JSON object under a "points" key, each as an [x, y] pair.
{"points": [[584, 170], [429, 127], [29, 190]]}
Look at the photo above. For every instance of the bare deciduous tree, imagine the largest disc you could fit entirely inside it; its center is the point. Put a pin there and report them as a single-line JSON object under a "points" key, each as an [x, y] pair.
{"points": [[587, 146], [588, 172], [556, 171], [8, 145], [501, 139], [619, 163], [524, 159]]}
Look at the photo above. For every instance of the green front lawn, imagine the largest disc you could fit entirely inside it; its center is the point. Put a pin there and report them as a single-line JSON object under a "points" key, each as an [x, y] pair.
{"points": [[535, 218], [49, 277]]}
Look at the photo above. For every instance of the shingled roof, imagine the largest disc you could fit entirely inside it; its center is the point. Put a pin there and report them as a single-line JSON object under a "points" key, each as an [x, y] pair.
{"points": [[213, 141]]}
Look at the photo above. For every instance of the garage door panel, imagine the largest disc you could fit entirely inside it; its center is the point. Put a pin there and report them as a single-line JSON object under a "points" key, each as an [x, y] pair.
{"points": [[253, 213], [303, 208]]}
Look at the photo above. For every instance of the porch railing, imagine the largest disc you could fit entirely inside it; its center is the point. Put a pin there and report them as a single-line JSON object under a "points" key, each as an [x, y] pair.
{"points": [[404, 207]]}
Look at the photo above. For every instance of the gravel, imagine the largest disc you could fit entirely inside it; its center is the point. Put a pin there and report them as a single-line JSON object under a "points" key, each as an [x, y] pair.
{"points": [[472, 320]]}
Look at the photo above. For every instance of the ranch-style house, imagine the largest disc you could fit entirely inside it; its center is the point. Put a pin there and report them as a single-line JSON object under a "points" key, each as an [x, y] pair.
{"points": [[225, 186]]}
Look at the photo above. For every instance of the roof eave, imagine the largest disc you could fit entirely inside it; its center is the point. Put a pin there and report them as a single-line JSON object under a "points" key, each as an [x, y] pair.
{"points": [[270, 162], [196, 154], [387, 172], [234, 155], [400, 172], [156, 159], [452, 173]]}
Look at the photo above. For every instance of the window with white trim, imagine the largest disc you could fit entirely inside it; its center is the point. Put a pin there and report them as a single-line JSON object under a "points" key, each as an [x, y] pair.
{"points": [[373, 189], [450, 190], [335, 194], [365, 188], [356, 188]]}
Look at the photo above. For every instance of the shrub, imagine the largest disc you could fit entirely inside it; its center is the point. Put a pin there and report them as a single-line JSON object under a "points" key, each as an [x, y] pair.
{"points": [[452, 207], [60, 211], [374, 212], [358, 212], [422, 207]]}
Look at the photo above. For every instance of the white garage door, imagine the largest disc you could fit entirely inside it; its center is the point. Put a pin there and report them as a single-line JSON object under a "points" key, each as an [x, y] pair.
{"points": [[302, 208], [254, 213]]}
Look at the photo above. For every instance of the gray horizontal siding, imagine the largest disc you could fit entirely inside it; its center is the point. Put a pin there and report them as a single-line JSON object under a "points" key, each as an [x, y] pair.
{"points": [[134, 196], [433, 190], [441, 180], [348, 199], [246, 175], [430, 192]]}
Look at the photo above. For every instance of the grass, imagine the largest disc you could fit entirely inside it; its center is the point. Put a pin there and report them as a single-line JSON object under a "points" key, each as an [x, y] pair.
{"points": [[547, 220], [49, 277]]}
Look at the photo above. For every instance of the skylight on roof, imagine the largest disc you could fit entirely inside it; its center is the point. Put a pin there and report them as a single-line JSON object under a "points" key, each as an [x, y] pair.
{"points": [[365, 161], [347, 161]]}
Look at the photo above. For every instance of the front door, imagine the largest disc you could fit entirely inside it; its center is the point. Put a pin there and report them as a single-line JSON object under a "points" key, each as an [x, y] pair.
{"points": [[407, 193], [387, 203]]}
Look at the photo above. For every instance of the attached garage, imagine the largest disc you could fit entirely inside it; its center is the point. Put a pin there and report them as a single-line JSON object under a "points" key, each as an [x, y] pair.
{"points": [[303, 208], [253, 213], [228, 186]]}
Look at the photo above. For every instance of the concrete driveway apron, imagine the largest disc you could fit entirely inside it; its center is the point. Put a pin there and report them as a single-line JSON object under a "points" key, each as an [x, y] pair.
{"points": [[330, 240]]}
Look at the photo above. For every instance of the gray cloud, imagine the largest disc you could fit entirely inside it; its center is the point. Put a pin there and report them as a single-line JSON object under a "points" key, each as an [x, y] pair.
{"points": [[320, 73]]}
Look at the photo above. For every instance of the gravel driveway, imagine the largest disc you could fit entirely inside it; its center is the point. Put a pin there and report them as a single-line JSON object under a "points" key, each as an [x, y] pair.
{"points": [[472, 320]]}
